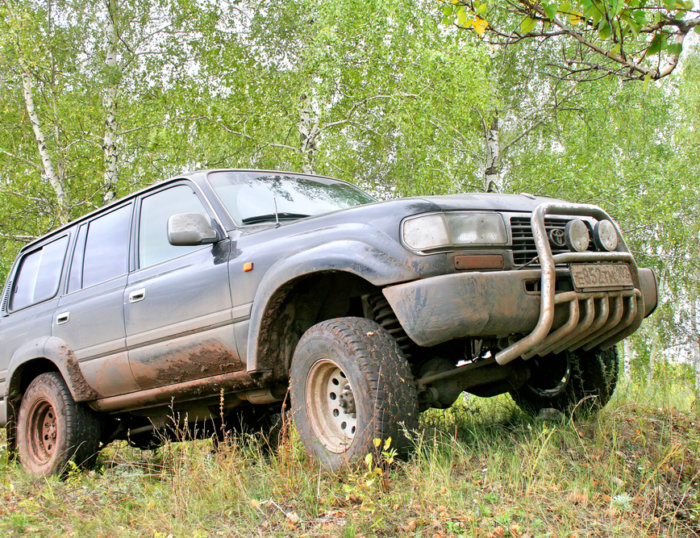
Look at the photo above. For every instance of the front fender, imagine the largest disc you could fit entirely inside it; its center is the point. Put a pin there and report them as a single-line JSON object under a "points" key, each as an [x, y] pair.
{"points": [[377, 264]]}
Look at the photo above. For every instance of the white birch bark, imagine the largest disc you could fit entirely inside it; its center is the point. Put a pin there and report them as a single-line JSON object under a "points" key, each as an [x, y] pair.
{"points": [[109, 102], [695, 341], [492, 171], [54, 179], [653, 356], [309, 131], [628, 355]]}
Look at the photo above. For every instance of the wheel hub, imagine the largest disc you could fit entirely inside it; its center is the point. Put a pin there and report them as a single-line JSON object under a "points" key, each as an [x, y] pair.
{"points": [[43, 431], [331, 406], [346, 400]]}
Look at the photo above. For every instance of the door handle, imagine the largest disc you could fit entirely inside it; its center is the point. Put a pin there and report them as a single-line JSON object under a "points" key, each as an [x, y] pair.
{"points": [[63, 317], [137, 295]]}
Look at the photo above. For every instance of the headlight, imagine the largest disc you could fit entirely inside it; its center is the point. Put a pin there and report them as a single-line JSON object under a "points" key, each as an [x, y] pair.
{"points": [[439, 230], [605, 235], [577, 236]]}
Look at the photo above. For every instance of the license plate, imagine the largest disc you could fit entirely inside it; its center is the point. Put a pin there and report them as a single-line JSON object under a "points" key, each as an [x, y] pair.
{"points": [[601, 276]]}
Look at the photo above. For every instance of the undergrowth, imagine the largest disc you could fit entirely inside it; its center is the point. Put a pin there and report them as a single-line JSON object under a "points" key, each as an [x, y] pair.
{"points": [[481, 468]]}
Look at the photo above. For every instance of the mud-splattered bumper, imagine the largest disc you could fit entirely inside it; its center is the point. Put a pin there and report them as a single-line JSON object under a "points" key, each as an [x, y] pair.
{"points": [[542, 304]]}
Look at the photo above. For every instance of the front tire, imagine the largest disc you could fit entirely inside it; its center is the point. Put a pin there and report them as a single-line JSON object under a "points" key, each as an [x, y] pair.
{"points": [[350, 384], [52, 429], [582, 380]]}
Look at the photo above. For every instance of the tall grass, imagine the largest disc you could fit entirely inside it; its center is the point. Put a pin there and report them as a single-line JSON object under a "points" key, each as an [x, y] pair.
{"points": [[481, 468]]}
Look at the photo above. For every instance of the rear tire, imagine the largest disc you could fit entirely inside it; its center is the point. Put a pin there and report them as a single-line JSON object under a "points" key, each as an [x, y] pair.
{"points": [[582, 380], [350, 384], [53, 430]]}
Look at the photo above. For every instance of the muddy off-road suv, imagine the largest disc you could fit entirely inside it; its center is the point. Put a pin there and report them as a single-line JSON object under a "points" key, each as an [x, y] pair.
{"points": [[198, 302]]}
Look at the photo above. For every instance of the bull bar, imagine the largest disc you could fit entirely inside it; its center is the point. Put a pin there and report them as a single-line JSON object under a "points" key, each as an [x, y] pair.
{"points": [[607, 316]]}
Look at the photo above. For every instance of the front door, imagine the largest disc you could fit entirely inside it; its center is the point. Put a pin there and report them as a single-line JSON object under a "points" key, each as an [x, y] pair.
{"points": [[177, 302]]}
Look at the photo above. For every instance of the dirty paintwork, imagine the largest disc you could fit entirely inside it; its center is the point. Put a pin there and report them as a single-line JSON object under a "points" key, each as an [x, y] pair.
{"points": [[225, 318]]}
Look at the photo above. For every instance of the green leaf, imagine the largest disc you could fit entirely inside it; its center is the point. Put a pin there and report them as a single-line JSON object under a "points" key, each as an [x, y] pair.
{"points": [[615, 8], [697, 29], [550, 10], [462, 16], [604, 31], [635, 28], [527, 25], [675, 49], [656, 44], [647, 78]]}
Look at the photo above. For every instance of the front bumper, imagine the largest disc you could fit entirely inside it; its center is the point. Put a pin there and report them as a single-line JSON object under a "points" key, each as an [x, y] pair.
{"points": [[553, 317]]}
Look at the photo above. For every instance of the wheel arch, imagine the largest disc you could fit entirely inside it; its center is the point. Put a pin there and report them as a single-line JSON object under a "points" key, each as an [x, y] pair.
{"points": [[296, 305], [375, 265], [46, 355]]}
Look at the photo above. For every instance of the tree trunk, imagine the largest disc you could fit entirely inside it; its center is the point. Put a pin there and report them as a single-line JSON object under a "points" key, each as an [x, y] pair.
{"points": [[653, 354], [308, 131], [54, 179], [628, 355], [492, 171], [109, 102], [695, 341]]}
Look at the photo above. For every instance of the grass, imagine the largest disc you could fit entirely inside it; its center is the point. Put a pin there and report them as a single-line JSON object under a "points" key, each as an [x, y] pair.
{"points": [[481, 468]]}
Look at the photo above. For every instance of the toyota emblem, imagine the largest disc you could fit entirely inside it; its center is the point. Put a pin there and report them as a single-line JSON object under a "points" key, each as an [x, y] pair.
{"points": [[557, 236]]}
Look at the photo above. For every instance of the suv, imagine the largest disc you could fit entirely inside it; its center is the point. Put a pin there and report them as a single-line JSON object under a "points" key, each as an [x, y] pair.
{"points": [[199, 301]]}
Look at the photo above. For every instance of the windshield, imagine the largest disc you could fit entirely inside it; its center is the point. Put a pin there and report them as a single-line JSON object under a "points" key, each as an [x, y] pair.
{"points": [[252, 198]]}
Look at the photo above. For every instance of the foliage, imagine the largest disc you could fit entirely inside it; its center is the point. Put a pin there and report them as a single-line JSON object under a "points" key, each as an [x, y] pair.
{"points": [[633, 39], [128, 92]]}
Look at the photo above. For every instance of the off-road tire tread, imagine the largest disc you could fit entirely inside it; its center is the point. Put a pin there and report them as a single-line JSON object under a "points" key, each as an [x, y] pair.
{"points": [[386, 372], [592, 384], [82, 425]]}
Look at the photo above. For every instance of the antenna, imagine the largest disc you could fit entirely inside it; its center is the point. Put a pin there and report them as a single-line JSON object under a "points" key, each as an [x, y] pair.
{"points": [[277, 217]]}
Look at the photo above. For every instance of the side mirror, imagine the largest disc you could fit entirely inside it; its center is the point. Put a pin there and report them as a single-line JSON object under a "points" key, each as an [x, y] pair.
{"points": [[189, 229]]}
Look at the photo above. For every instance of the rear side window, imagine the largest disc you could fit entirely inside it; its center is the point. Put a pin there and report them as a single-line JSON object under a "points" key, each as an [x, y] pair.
{"points": [[107, 247], [39, 274]]}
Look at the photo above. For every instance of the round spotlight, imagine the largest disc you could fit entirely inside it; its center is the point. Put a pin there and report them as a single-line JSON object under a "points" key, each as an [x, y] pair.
{"points": [[605, 235], [577, 236]]}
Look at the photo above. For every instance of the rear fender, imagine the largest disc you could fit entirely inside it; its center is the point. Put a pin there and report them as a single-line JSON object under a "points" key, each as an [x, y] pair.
{"points": [[60, 355]]}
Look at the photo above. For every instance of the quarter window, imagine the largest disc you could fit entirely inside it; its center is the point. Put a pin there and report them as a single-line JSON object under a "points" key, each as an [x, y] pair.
{"points": [[107, 247], [39, 274], [156, 209]]}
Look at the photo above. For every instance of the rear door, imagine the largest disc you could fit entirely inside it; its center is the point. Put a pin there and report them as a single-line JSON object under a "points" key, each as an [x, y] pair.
{"points": [[177, 302], [90, 316]]}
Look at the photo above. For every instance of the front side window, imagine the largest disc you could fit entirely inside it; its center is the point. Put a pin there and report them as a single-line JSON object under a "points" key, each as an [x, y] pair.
{"points": [[255, 198], [156, 209], [107, 247], [39, 274]]}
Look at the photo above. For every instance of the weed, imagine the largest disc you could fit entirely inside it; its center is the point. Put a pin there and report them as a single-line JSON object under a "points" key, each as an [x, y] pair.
{"points": [[481, 467]]}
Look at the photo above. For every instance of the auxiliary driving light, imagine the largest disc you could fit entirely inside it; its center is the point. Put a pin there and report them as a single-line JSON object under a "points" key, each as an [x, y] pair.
{"points": [[577, 236], [605, 235]]}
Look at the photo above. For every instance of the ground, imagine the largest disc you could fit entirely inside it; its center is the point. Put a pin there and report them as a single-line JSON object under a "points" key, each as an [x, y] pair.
{"points": [[481, 468]]}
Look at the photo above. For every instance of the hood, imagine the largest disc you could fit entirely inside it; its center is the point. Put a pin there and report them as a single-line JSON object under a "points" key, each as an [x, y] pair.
{"points": [[488, 202]]}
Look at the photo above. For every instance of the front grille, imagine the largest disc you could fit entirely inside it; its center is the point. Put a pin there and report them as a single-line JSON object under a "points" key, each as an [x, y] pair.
{"points": [[524, 249]]}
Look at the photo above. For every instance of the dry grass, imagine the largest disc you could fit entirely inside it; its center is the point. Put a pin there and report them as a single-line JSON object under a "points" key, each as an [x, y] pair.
{"points": [[482, 468]]}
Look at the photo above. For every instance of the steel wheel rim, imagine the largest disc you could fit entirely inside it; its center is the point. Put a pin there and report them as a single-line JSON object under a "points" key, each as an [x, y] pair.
{"points": [[330, 406], [43, 431]]}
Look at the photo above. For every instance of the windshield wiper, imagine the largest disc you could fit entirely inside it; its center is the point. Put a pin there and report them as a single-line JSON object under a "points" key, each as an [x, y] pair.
{"points": [[272, 217]]}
